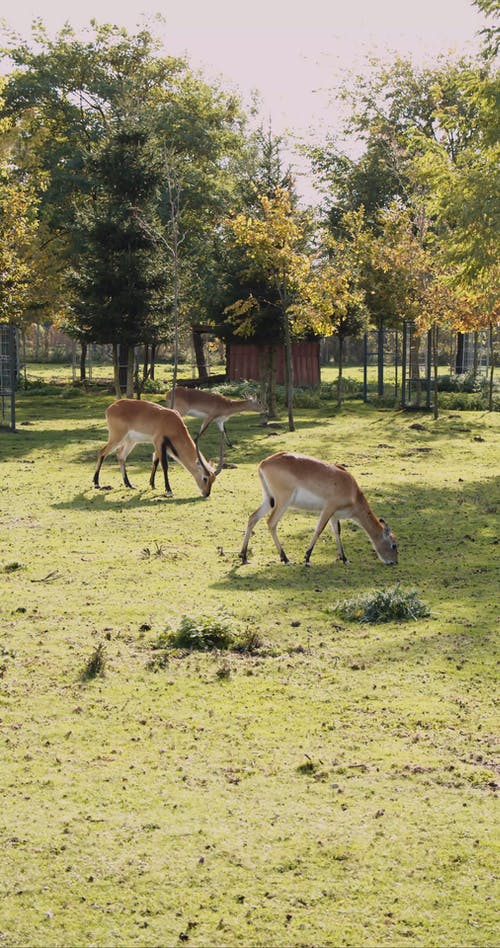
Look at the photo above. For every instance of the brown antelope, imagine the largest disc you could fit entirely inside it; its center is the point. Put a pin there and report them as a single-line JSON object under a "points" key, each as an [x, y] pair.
{"points": [[210, 406], [295, 480], [130, 422]]}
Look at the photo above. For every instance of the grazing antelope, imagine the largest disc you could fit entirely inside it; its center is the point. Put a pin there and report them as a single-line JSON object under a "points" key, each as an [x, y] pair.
{"points": [[210, 406], [295, 480], [130, 422]]}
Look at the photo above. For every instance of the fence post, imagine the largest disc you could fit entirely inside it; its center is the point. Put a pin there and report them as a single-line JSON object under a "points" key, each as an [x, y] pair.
{"points": [[404, 364], [380, 361], [365, 367]]}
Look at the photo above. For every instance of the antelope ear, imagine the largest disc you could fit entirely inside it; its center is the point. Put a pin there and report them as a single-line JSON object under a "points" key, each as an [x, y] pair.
{"points": [[387, 529]]}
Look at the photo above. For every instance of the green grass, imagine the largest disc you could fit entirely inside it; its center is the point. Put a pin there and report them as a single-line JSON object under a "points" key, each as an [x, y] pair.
{"points": [[335, 786]]}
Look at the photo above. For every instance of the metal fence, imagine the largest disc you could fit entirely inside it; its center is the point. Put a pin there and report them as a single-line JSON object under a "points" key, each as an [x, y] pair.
{"points": [[8, 375]]}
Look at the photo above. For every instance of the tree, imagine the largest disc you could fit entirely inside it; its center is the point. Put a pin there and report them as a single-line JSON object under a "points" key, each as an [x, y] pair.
{"points": [[72, 94], [273, 243], [461, 198], [430, 159], [119, 277], [18, 233], [491, 34], [333, 301]]}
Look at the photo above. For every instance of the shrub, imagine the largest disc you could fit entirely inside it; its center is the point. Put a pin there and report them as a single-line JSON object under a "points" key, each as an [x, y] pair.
{"points": [[204, 633], [467, 382], [462, 401], [244, 389], [39, 387], [383, 605], [154, 387], [70, 391]]}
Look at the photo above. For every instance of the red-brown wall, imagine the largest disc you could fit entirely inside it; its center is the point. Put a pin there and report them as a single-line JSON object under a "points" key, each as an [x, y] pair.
{"points": [[244, 360]]}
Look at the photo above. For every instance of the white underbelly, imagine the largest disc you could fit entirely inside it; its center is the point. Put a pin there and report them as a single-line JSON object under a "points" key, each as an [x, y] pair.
{"points": [[196, 413], [304, 499], [137, 436]]}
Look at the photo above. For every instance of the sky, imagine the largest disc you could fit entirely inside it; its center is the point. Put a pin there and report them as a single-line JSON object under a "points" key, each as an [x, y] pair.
{"points": [[294, 54]]}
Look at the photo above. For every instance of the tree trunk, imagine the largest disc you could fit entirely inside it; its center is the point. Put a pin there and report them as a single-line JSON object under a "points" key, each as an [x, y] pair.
{"points": [[380, 362], [459, 360], [123, 351], [200, 356], [83, 361], [262, 378], [288, 372], [415, 367], [130, 372], [475, 353], [176, 330], [46, 346], [152, 361], [435, 369], [492, 368], [272, 406], [116, 370], [339, 377], [23, 349]]}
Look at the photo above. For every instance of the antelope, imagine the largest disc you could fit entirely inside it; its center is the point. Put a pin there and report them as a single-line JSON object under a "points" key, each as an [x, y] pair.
{"points": [[130, 422], [210, 406], [305, 483]]}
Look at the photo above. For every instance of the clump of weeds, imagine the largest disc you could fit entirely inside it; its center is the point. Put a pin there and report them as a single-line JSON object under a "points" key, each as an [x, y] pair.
{"points": [[208, 633], [383, 605], [12, 567], [96, 664]]}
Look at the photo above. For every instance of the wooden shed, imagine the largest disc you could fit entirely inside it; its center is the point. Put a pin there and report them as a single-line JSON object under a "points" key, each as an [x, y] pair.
{"points": [[245, 359]]}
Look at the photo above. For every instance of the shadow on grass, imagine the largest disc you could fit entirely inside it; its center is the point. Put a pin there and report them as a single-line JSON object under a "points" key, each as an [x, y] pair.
{"points": [[446, 538], [252, 442], [105, 499], [462, 645]]}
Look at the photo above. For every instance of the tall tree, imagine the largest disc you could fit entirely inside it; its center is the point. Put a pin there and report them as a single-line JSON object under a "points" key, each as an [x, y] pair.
{"points": [[73, 93], [119, 277], [18, 233], [274, 245], [333, 300]]}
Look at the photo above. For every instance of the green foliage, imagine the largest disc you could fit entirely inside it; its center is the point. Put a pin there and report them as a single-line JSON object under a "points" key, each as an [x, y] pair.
{"points": [[383, 605], [350, 387], [467, 382], [465, 401], [243, 388], [207, 632], [153, 387], [77, 107], [430, 162], [18, 232]]}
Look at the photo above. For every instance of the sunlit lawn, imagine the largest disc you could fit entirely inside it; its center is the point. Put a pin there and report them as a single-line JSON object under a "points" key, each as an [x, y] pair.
{"points": [[335, 787]]}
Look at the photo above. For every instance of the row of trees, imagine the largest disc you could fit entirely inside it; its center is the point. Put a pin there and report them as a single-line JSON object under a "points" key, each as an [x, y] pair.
{"points": [[135, 200]]}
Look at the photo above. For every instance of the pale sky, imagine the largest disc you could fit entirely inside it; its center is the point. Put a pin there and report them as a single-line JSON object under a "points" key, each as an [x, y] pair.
{"points": [[293, 53]]}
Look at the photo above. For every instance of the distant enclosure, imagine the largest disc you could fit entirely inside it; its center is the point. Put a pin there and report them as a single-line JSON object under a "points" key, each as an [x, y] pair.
{"points": [[395, 364]]}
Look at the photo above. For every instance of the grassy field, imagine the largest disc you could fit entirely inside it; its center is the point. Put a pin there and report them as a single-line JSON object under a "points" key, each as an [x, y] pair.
{"points": [[334, 786]]}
